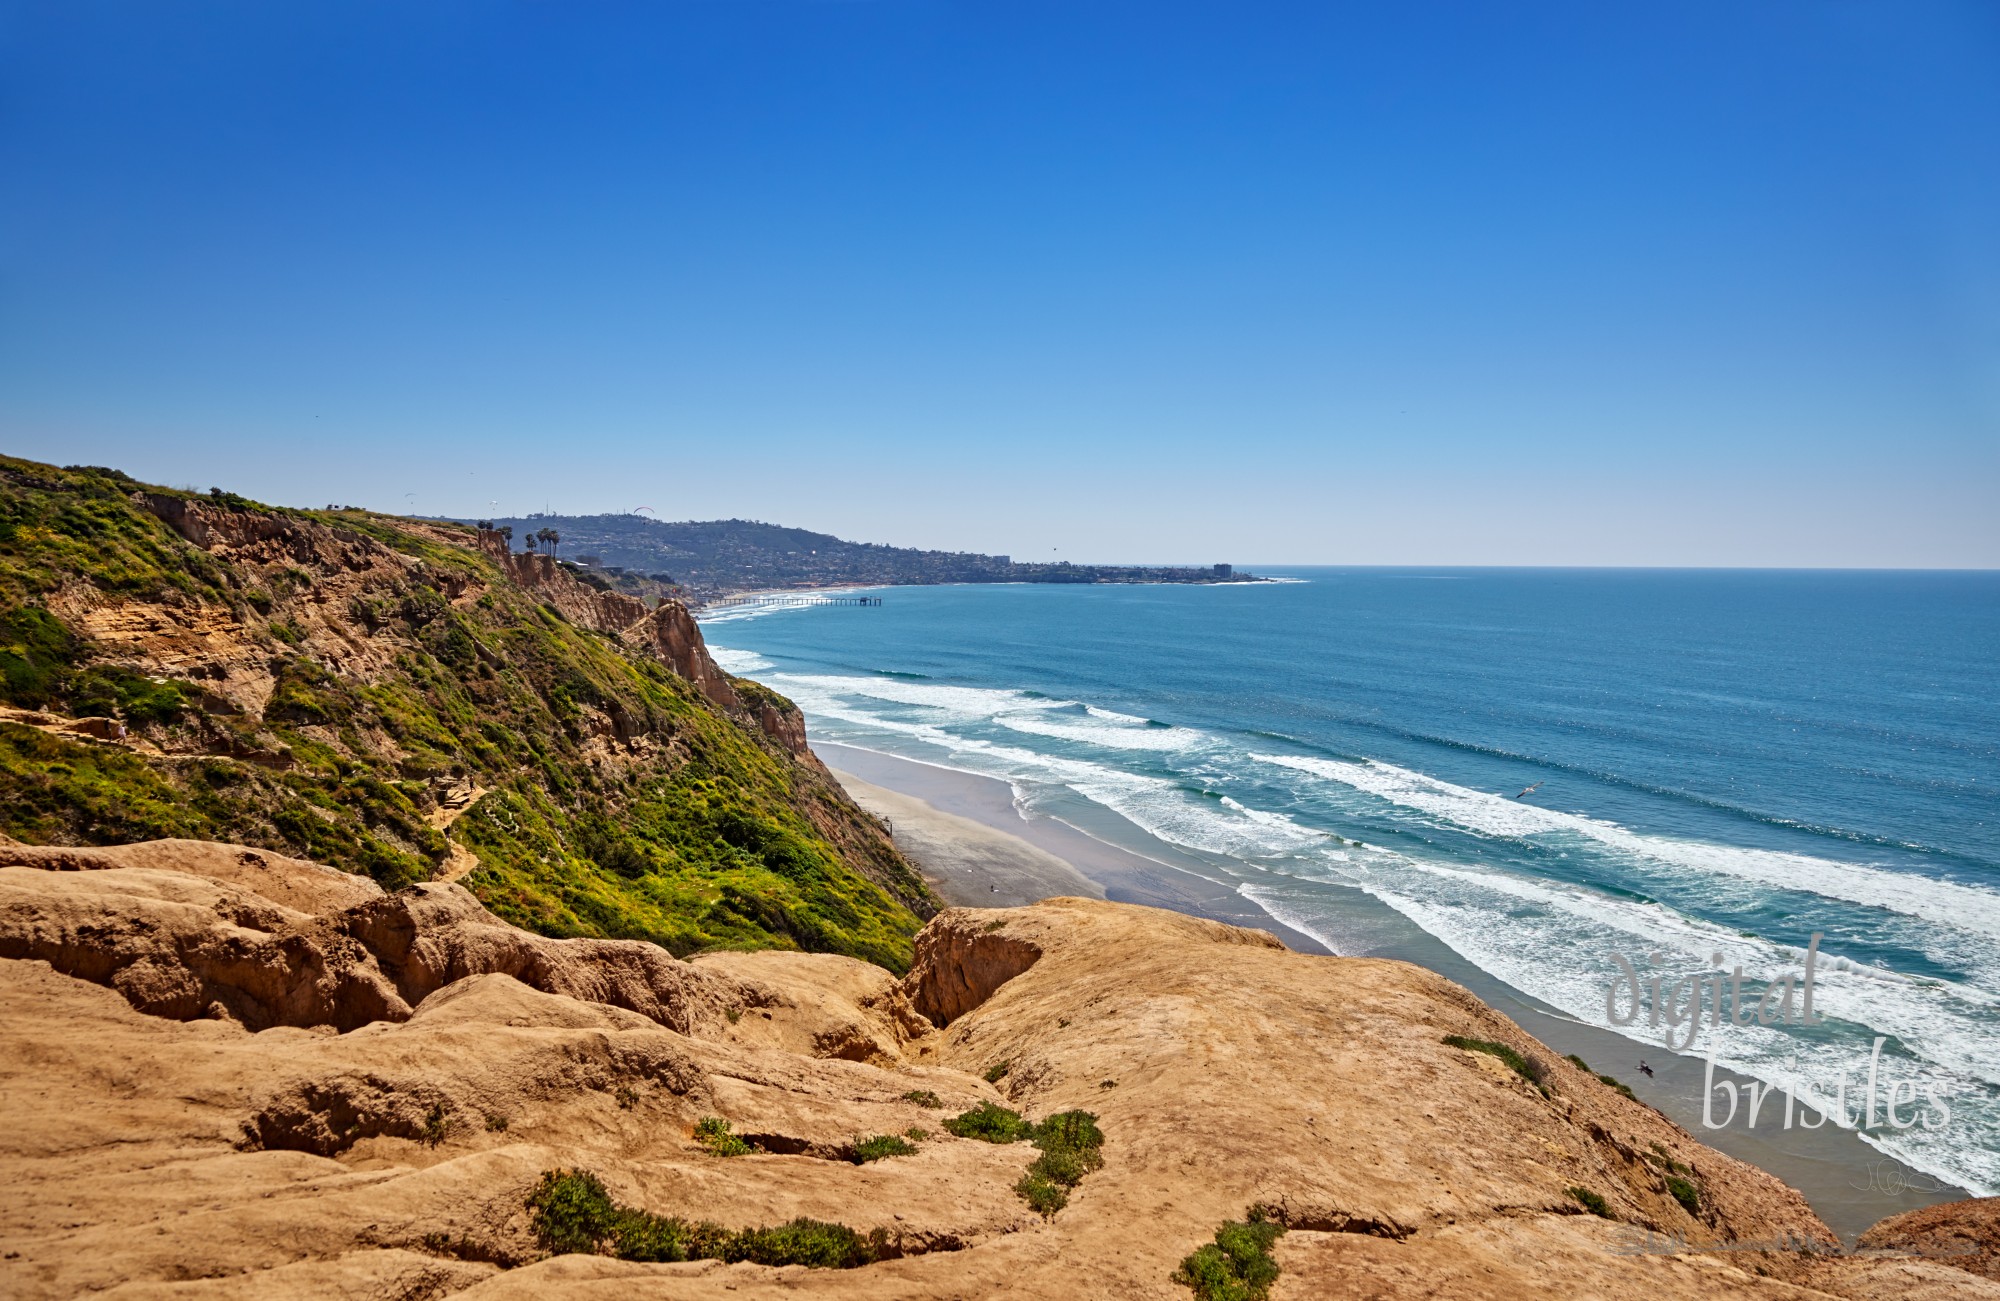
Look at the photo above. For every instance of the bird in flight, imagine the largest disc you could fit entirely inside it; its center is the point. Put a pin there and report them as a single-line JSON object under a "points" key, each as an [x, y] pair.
{"points": [[1527, 791]]}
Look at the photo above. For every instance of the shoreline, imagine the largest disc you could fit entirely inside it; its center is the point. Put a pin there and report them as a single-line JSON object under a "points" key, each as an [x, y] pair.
{"points": [[955, 825], [696, 608]]}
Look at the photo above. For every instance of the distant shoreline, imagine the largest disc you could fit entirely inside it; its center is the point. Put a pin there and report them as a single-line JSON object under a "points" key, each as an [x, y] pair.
{"points": [[698, 605]]}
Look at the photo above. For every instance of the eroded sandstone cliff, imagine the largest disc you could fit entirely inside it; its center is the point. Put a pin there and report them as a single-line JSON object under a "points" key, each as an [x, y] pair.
{"points": [[317, 1157]]}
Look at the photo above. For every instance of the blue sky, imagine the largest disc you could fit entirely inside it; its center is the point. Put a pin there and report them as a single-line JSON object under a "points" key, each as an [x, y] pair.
{"points": [[1398, 283]]}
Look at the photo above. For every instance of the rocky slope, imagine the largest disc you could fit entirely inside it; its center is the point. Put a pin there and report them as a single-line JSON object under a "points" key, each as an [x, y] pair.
{"points": [[411, 701], [231, 1073]]}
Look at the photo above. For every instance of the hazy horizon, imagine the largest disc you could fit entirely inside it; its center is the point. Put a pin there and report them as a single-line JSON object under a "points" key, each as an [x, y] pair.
{"points": [[1448, 284]]}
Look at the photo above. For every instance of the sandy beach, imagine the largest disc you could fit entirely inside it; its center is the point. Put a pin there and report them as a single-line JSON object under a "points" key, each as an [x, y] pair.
{"points": [[965, 833]]}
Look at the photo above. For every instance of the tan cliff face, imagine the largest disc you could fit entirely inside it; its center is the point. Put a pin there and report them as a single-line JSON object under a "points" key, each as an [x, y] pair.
{"points": [[161, 1144]]}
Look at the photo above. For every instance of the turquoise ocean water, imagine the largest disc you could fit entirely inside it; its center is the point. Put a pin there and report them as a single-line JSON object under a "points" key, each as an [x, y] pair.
{"points": [[1728, 761]]}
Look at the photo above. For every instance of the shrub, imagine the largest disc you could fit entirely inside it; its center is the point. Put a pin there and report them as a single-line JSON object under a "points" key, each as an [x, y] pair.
{"points": [[135, 697], [1619, 1085], [638, 1235], [1237, 1265], [923, 1098], [991, 1124], [998, 1071], [1686, 1193], [496, 1124], [916, 1134], [712, 1132], [1070, 1142], [1666, 1158], [813, 1243], [1591, 1202], [1528, 1068], [877, 1146], [437, 1125], [1043, 1196], [572, 1212]]}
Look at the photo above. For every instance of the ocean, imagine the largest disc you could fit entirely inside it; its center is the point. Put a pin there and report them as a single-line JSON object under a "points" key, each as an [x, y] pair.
{"points": [[1723, 764]]}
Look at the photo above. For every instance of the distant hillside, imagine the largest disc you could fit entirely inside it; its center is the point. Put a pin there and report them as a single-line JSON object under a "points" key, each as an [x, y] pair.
{"points": [[713, 558]]}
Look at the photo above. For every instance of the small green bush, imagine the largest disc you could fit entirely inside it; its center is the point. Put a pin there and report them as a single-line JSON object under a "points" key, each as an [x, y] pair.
{"points": [[923, 1098], [991, 1124], [1043, 1196], [712, 1132], [877, 1146], [1528, 1068], [573, 1213], [1591, 1202], [1686, 1193], [1619, 1085], [813, 1243], [1071, 1146], [1237, 1265], [916, 1134], [1579, 1063], [998, 1071], [638, 1235], [437, 1126], [132, 696]]}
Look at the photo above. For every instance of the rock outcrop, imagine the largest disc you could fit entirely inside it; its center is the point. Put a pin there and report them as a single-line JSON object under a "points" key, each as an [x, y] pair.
{"points": [[670, 633], [1964, 1234], [157, 1156], [210, 941]]}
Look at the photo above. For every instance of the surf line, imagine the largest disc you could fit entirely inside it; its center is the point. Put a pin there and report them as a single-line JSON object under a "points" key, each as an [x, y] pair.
{"points": [[1788, 1000], [1690, 997]]}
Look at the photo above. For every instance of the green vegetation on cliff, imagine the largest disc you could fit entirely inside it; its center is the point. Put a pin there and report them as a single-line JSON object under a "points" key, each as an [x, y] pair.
{"points": [[335, 684]]}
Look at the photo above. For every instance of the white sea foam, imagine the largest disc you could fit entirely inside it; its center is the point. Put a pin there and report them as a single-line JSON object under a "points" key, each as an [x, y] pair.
{"points": [[1161, 807], [966, 703], [1943, 902], [740, 662], [1555, 942], [1114, 736]]}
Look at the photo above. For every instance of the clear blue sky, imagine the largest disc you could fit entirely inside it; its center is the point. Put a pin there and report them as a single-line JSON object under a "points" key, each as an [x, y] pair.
{"points": [[1401, 282]]}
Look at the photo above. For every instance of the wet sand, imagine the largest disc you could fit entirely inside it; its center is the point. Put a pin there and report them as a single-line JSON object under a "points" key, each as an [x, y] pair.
{"points": [[966, 834]]}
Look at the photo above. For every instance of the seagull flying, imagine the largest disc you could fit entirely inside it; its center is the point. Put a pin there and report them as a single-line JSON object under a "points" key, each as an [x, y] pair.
{"points": [[1527, 791]]}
